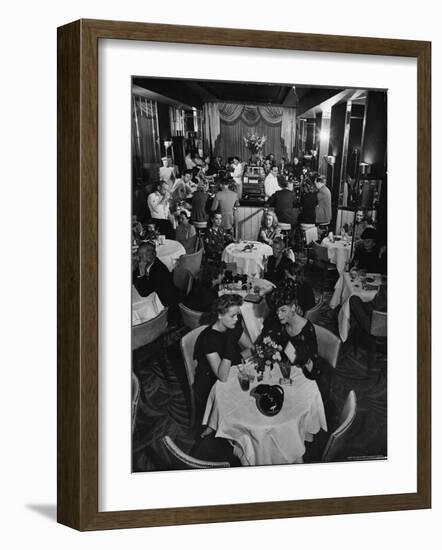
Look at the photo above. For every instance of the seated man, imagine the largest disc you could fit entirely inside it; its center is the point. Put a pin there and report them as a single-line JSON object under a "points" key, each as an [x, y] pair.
{"points": [[151, 275]]}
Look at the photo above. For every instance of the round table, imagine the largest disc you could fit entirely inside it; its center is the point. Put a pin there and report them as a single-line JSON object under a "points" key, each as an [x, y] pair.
{"points": [[169, 252], [338, 252], [259, 439], [249, 262]]}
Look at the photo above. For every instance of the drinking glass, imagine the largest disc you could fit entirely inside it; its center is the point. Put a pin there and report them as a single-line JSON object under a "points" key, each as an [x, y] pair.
{"points": [[244, 380], [286, 370]]}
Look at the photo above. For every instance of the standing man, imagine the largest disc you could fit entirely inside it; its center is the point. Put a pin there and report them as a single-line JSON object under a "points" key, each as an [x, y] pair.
{"points": [[284, 202], [159, 206], [323, 208], [271, 184], [237, 175], [225, 201]]}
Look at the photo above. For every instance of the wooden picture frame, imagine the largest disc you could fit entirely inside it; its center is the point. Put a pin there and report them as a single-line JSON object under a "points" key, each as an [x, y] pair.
{"points": [[78, 274]]}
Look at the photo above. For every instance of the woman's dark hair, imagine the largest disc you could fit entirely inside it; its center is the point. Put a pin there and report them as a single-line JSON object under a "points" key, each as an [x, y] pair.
{"points": [[185, 213], [219, 307], [283, 295], [309, 186], [209, 273]]}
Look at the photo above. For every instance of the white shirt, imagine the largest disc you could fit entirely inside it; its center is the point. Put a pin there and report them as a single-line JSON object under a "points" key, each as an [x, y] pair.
{"points": [[237, 172], [271, 185], [158, 206]]}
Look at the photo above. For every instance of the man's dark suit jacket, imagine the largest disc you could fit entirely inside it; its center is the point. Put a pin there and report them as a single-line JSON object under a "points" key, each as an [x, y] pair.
{"points": [[159, 280], [284, 203]]}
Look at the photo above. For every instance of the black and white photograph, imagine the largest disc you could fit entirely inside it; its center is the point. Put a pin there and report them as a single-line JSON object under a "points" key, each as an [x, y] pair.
{"points": [[259, 274]]}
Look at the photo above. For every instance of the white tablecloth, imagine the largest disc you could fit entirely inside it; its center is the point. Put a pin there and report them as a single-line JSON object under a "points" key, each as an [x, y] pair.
{"points": [[338, 252], [145, 309], [249, 263], [260, 439], [169, 252], [344, 289]]}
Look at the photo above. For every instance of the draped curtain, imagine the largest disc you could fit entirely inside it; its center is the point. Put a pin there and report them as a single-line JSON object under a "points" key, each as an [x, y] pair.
{"points": [[231, 143], [227, 123]]}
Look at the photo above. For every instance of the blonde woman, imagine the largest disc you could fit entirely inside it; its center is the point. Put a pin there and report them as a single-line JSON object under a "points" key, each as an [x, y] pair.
{"points": [[268, 231]]}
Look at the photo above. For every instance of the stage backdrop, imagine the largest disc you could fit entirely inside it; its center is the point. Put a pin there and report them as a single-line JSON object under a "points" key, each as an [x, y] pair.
{"points": [[227, 123]]}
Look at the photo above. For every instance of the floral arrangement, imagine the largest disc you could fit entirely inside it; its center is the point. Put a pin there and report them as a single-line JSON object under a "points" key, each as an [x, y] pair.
{"points": [[254, 143], [269, 353]]}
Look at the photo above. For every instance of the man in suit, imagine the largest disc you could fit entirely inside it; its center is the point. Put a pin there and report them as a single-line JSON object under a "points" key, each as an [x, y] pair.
{"points": [[284, 203], [323, 208], [151, 275], [224, 201]]}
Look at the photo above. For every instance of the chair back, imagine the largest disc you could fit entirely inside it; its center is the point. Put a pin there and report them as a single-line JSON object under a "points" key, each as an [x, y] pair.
{"points": [[200, 225], [149, 331], [378, 327], [190, 317], [188, 342], [339, 437], [314, 312], [284, 226], [191, 262], [135, 398], [182, 279], [328, 345], [183, 461], [320, 252]]}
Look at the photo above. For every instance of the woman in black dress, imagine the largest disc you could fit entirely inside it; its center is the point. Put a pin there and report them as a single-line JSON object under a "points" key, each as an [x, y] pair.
{"points": [[278, 262], [291, 327], [218, 347]]}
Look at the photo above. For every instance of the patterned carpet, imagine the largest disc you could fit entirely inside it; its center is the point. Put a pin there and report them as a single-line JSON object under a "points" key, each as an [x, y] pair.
{"points": [[163, 407]]}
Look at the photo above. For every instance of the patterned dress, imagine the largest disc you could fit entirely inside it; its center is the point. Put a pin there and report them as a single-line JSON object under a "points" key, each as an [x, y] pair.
{"points": [[215, 241]]}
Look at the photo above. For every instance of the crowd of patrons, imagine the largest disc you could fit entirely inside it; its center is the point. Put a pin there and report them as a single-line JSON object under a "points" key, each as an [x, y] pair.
{"points": [[207, 192]]}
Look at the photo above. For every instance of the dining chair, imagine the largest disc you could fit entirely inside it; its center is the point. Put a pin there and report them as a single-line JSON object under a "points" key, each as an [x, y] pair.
{"points": [[321, 261], [187, 348], [151, 330], [285, 229], [201, 228], [135, 399], [182, 280], [314, 312], [191, 262], [190, 317], [377, 336], [329, 345], [340, 436], [182, 460]]}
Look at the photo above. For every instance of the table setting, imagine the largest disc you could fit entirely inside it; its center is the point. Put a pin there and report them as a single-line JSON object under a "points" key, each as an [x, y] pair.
{"points": [[338, 249], [249, 256], [267, 416]]}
